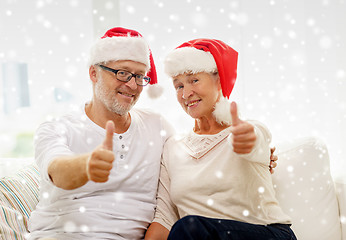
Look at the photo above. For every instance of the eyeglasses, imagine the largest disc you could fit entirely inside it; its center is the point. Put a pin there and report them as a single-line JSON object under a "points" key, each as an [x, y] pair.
{"points": [[125, 76]]}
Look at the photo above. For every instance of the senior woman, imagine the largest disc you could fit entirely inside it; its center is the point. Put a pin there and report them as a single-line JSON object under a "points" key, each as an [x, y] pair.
{"points": [[214, 181]]}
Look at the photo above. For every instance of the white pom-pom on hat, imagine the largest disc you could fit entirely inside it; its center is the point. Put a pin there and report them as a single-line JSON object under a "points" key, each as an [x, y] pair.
{"points": [[222, 111], [154, 91]]}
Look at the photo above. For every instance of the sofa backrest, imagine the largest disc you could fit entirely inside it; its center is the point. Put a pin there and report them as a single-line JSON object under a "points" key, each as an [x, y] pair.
{"points": [[305, 189]]}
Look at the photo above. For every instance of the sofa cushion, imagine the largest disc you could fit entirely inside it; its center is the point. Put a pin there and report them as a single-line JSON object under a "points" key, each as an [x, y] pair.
{"points": [[18, 198], [305, 189]]}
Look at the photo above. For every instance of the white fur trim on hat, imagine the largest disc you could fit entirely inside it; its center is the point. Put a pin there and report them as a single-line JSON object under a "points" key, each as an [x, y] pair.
{"points": [[189, 60], [222, 111], [120, 48]]}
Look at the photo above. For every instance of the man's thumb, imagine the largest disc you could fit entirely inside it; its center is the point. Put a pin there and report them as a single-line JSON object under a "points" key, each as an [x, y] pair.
{"points": [[108, 142]]}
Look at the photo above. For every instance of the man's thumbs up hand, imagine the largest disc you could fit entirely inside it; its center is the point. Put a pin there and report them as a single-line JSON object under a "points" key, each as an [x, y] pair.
{"points": [[243, 136], [100, 161]]}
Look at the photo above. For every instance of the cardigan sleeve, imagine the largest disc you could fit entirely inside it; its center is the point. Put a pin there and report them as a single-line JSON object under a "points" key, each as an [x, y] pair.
{"points": [[166, 212], [261, 151]]}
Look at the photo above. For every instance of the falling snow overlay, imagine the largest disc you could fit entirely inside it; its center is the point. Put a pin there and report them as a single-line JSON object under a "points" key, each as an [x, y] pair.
{"points": [[291, 74]]}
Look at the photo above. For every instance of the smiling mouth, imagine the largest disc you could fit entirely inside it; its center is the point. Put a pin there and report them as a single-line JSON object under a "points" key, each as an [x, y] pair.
{"points": [[126, 94], [190, 104]]}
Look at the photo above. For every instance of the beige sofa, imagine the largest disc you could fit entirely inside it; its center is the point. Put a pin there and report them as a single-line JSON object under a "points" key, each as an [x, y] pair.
{"points": [[305, 188], [308, 193]]}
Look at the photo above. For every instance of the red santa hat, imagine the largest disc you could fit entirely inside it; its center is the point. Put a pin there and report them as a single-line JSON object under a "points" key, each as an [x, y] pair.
{"points": [[205, 55], [123, 44]]}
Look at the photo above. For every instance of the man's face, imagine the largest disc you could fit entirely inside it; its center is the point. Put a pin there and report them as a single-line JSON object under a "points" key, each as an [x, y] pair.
{"points": [[118, 97]]}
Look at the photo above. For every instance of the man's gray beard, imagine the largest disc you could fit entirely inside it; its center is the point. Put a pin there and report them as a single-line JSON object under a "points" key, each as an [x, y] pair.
{"points": [[109, 99]]}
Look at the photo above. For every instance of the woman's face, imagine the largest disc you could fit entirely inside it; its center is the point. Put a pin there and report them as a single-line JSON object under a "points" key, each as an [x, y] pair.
{"points": [[197, 93]]}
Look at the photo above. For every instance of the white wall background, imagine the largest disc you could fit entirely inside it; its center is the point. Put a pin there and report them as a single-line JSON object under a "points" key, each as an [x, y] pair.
{"points": [[292, 57]]}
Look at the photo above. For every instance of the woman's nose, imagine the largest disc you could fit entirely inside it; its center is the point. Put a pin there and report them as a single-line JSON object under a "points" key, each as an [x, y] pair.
{"points": [[187, 92]]}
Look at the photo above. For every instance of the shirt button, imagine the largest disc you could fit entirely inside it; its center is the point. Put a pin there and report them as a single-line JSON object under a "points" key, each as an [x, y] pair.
{"points": [[121, 156], [120, 137], [123, 146]]}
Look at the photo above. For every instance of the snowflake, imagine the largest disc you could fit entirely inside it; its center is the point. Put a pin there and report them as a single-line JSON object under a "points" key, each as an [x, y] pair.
{"points": [[261, 189], [246, 213], [119, 196], [109, 5], [74, 3], [84, 228], [325, 42], [343, 219], [266, 42], [290, 168], [292, 34], [45, 195], [340, 73], [163, 133], [130, 9], [219, 174], [64, 39], [199, 19], [174, 18], [82, 209]]}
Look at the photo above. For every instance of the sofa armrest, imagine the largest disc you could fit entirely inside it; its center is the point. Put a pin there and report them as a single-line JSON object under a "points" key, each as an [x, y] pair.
{"points": [[19, 194], [305, 189]]}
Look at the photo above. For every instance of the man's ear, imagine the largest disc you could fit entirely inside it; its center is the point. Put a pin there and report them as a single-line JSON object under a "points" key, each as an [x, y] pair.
{"points": [[93, 73]]}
